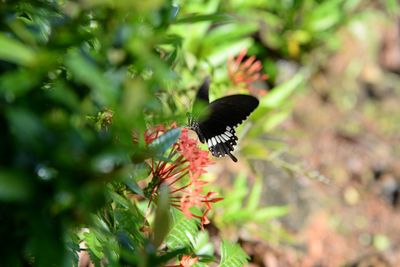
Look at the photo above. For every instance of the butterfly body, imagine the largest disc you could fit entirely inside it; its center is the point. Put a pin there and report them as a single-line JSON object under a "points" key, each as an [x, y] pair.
{"points": [[215, 122]]}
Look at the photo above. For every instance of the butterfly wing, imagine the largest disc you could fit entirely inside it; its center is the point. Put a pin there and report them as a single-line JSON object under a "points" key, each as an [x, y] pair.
{"points": [[218, 128]]}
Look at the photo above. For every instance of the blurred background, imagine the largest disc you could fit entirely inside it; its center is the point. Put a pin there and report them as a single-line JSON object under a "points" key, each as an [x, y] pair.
{"points": [[318, 177], [328, 148]]}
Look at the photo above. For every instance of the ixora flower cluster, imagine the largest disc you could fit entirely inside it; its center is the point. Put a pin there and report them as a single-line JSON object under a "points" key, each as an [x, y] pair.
{"points": [[181, 171], [246, 72]]}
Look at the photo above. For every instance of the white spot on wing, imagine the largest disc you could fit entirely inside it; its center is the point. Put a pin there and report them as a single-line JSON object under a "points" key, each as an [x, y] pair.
{"points": [[228, 134], [225, 137], [209, 142], [213, 141]]}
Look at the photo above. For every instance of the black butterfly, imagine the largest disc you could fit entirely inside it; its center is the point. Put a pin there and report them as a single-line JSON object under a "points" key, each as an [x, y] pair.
{"points": [[215, 122]]}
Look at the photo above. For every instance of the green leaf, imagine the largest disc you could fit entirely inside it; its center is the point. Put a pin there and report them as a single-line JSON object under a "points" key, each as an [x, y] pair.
{"points": [[232, 255], [168, 256], [203, 247], [228, 33], [120, 200], [94, 246], [279, 95], [134, 173], [200, 263], [220, 54], [134, 187], [17, 83], [276, 118], [85, 72], [64, 95], [13, 51], [233, 201], [202, 18], [162, 218], [183, 231], [255, 194], [269, 213], [235, 212], [14, 186], [257, 4], [325, 15], [130, 221], [26, 126], [164, 141]]}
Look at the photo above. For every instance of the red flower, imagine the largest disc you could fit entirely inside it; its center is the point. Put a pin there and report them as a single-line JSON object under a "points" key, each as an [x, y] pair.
{"points": [[195, 199], [186, 261], [181, 172], [247, 72], [198, 159], [151, 135]]}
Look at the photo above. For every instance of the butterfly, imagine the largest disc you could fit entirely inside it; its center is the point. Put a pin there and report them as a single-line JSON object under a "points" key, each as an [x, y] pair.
{"points": [[215, 122]]}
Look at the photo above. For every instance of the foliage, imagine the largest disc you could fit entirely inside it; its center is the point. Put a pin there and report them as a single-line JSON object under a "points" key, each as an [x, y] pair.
{"points": [[239, 210], [82, 83], [232, 255]]}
